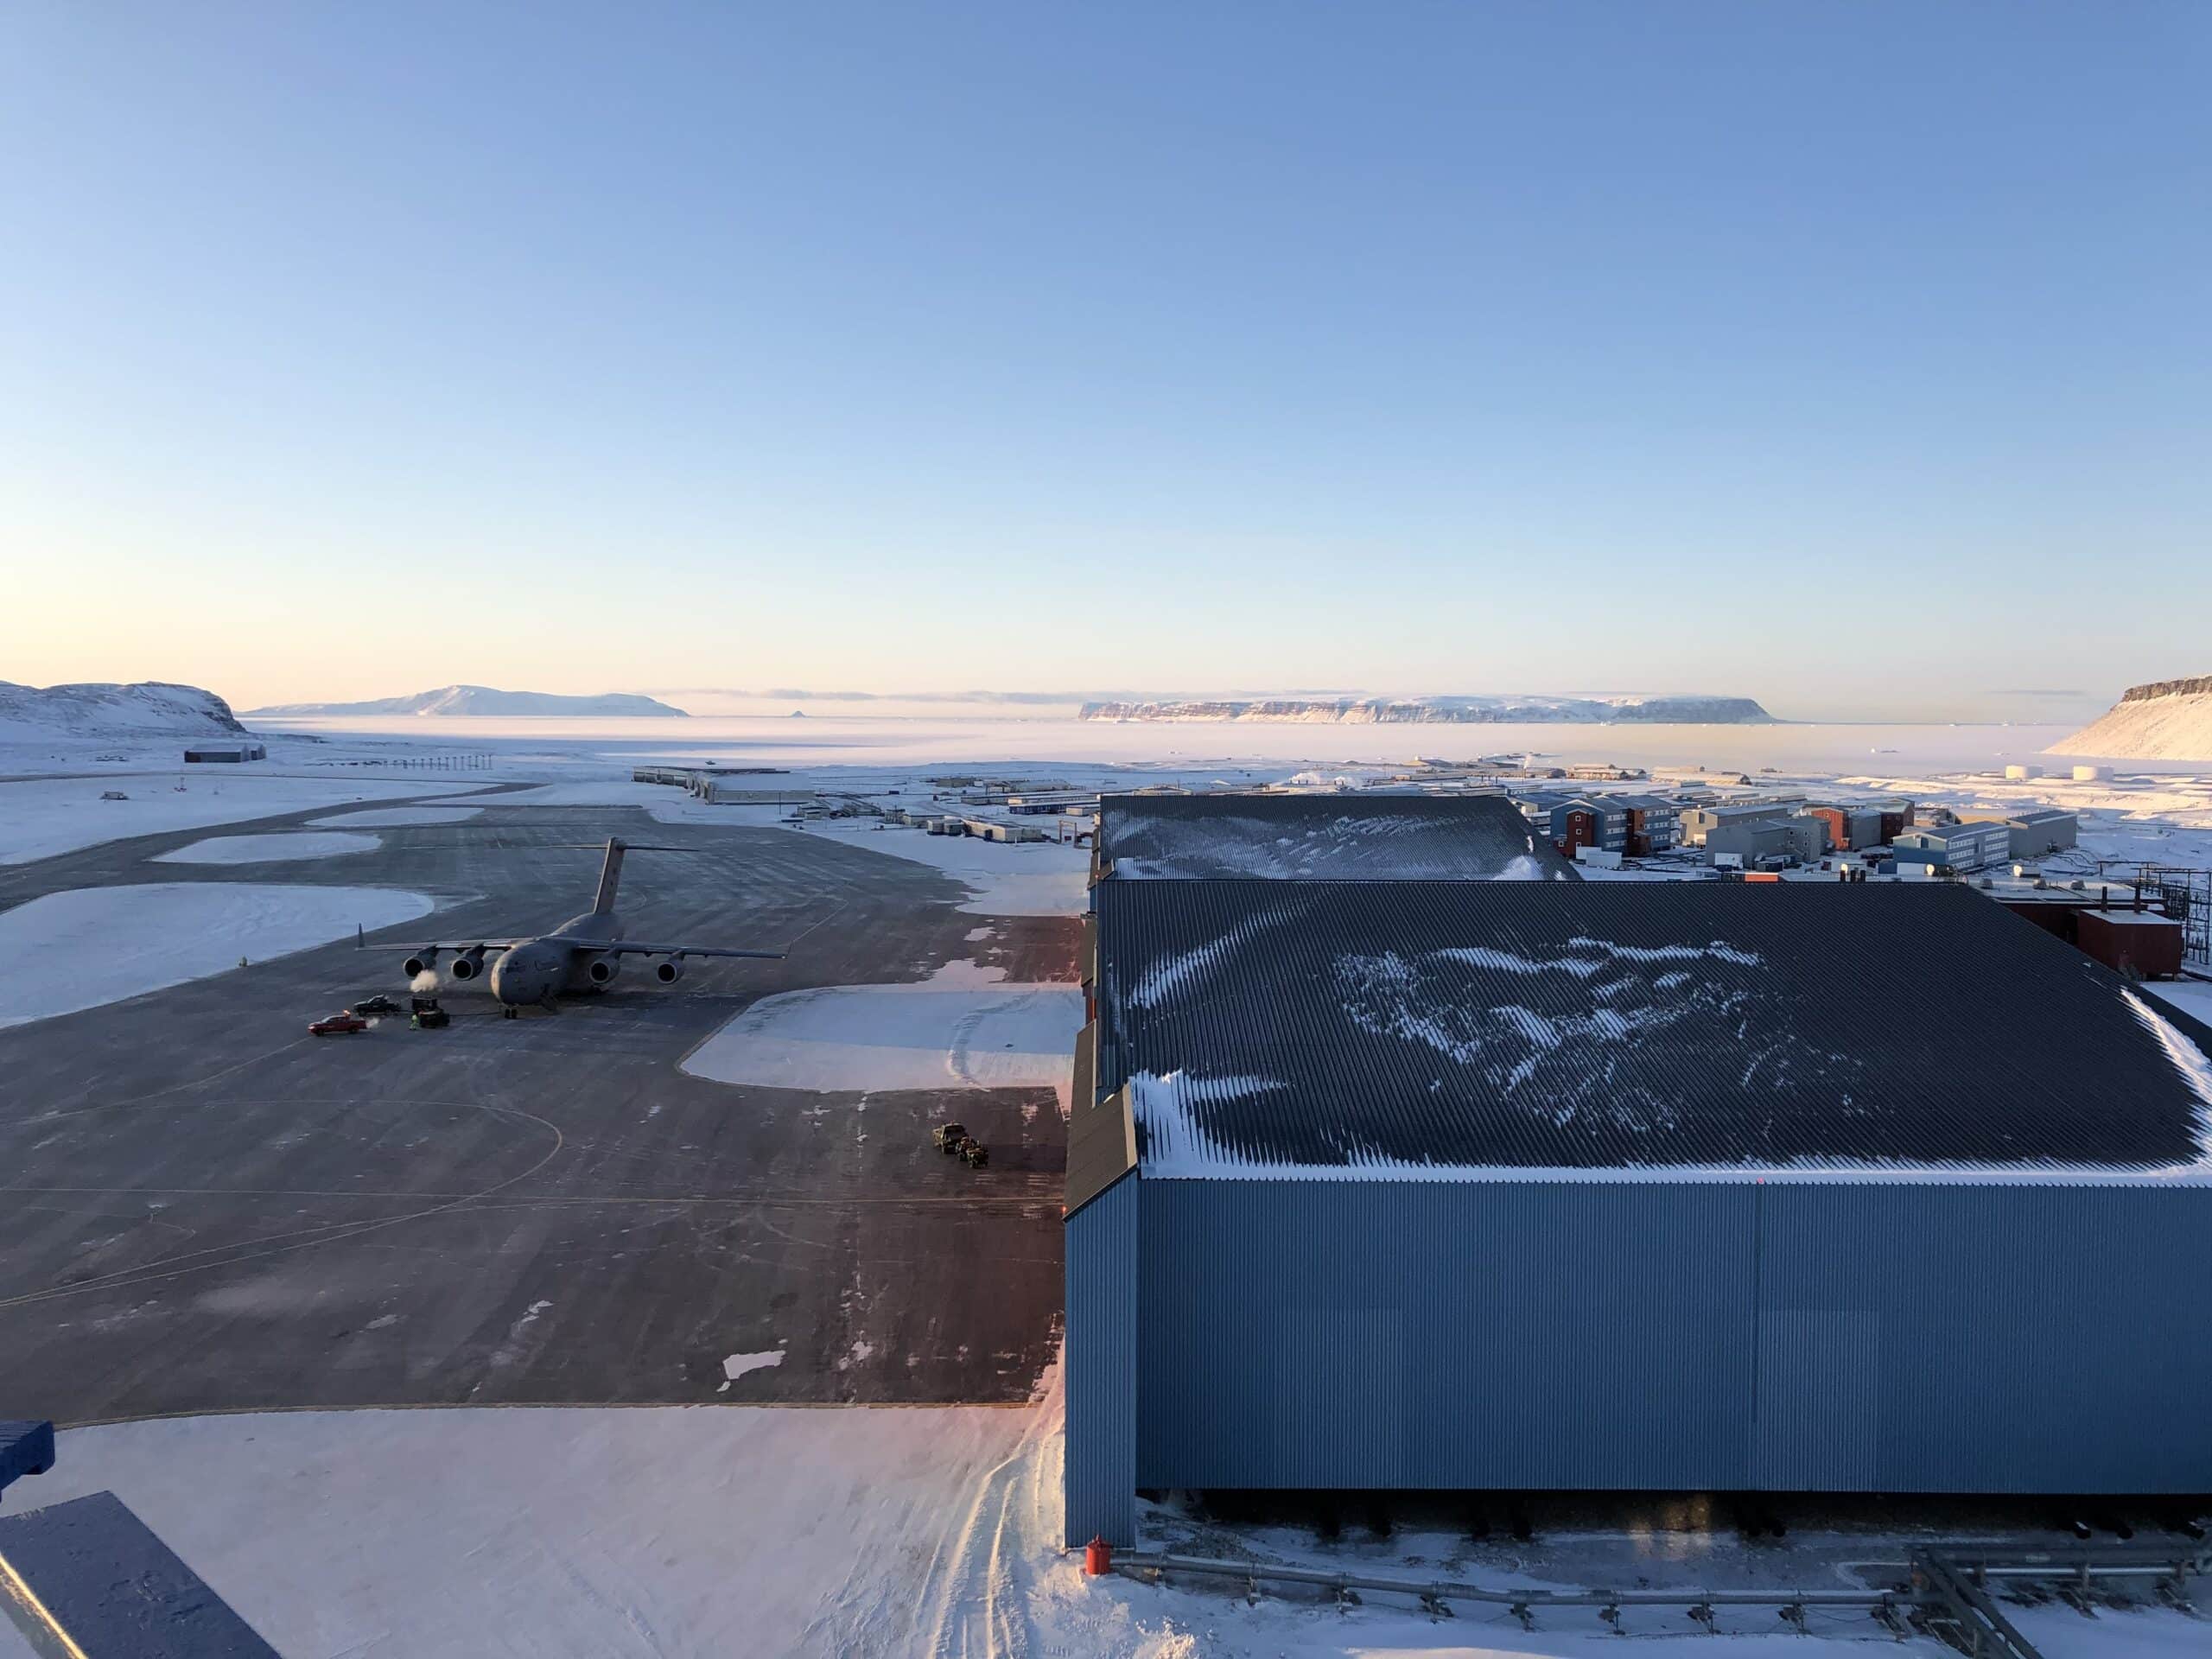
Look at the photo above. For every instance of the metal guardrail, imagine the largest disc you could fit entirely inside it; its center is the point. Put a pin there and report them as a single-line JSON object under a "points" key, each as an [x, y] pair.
{"points": [[1942, 1590]]}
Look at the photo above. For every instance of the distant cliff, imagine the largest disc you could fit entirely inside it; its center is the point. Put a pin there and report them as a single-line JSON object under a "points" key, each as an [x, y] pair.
{"points": [[2166, 720], [2201, 686], [1459, 710], [483, 700]]}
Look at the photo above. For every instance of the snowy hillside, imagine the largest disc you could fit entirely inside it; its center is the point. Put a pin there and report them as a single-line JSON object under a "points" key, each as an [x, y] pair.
{"points": [[31, 714], [2171, 720], [483, 700], [1485, 711]]}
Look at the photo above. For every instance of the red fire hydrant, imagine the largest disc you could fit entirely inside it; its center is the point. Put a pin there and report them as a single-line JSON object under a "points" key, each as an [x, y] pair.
{"points": [[1098, 1557]]}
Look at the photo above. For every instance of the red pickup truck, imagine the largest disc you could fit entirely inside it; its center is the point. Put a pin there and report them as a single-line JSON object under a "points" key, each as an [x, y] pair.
{"points": [[336, 1024]]}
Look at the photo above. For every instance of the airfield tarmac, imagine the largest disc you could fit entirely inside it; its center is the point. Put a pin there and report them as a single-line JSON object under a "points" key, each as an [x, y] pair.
{"points": [[204, 1209]]}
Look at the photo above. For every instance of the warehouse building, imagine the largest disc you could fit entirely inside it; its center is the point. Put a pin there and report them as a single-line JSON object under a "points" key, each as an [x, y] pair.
{"points": [[1955, 847], [1699, 822], [1582, 1186], [1796, 839], [1321, 837], [1851, 828], [2035, 833]]}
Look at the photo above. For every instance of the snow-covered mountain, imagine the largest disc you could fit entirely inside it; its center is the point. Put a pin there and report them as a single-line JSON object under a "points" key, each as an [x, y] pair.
{"points": [[31, 714], [1472, 710], [487, 701], [2167, 720]]}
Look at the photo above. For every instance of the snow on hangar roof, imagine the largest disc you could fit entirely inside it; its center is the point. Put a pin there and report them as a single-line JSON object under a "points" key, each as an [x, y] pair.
{"points": [[1507, 1030], [1325, 837]]}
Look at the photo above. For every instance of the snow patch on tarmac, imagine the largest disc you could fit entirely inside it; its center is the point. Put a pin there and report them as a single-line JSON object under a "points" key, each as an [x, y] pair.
{"points": [[94, 945], [737, 1365], [40, 817], [1036, 878], [396, 817], [963, 1027], [285, 848]]}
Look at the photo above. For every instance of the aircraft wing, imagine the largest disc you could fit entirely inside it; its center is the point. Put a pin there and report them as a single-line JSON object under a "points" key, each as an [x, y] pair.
{"points": [[632, 948], [453, 944]]}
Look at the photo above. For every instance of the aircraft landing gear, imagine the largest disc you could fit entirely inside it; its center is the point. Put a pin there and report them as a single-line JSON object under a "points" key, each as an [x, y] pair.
{"points": [[508, 1011]]}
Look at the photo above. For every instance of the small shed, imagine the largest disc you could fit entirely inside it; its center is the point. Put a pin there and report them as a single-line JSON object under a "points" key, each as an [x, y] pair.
{"points": [[2134, 941]]}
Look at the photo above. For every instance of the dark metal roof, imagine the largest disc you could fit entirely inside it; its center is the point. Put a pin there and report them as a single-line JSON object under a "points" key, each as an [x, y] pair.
{"points": [[1381, 1029], [1326, 837], [1102, 1146]]}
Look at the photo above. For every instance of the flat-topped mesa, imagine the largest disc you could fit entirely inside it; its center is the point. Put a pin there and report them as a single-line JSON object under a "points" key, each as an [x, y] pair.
{"points": [[1481, 709], [2202, 685]]}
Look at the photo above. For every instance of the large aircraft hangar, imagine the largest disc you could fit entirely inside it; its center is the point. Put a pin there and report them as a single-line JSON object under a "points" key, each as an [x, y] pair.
{"points": [[1717, 1187], [1326, 837]]}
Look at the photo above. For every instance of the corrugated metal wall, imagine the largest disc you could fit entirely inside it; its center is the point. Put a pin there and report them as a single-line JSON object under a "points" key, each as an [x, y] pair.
{"points": [[1369, 1334], [1986, 1339], [1685, 1335], [1099, 1357]]}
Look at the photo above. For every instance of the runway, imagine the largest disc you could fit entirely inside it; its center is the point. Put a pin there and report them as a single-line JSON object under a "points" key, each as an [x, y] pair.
{"points": [[204, 1209]]}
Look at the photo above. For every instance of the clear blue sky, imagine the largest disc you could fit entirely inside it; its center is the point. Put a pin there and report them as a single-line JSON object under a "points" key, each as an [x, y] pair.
{"points": [[1851, 357]]}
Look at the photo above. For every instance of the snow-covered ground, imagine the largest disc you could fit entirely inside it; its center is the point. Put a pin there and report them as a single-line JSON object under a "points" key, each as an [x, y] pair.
{"points": [[926, 744], [700, 1532], [568, 1534], [280, 847], [94, 945], [963, 1027], [41, 816]]}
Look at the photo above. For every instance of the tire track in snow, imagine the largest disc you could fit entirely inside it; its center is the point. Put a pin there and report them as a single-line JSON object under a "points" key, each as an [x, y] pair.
{"points": [[978, 1585]]}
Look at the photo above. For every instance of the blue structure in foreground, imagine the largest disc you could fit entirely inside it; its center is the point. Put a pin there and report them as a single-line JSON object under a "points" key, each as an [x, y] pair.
{"points": [[26, 1449], [87, 1577], [1609, 1186]]}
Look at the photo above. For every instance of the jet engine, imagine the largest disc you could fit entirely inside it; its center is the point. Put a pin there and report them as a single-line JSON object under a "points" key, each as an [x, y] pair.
{"points": [[427, 963], [669, 969], [602, 971], [468, 964]]}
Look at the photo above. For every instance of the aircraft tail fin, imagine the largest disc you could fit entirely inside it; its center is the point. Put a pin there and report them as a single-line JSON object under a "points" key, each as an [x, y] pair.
{"points": [[610, 877]]}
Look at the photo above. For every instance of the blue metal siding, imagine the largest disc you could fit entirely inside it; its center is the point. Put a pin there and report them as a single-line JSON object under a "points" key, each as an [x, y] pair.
{"points": [[1099, 1358], [1355, 1334], [1839, 1337], [1816, 1411], [1986, 1339]]}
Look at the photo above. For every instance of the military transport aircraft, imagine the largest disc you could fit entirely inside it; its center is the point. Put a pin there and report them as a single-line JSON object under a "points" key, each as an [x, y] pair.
{"points": [[582, 954]]}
